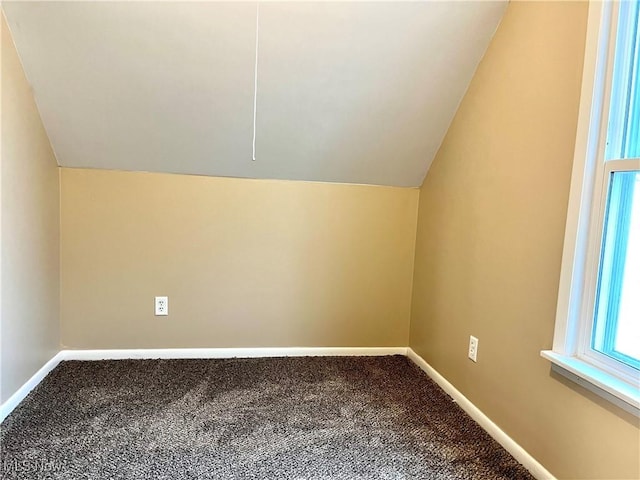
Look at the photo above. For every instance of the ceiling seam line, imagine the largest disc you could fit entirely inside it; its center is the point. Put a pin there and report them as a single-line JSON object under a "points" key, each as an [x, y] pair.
{"points": [[255, 83]]}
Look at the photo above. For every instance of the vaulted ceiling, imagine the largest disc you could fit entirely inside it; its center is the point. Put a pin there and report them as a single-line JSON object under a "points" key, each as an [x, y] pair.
{"points": [[346, 92]]}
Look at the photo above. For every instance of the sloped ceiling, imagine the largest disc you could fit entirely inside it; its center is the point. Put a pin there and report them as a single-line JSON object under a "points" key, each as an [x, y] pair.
{"points": [[347, 92]]}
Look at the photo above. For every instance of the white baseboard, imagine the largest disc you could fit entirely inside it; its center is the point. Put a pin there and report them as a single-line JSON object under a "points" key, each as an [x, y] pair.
{"points": [[168, 353], [519, 453], [12, 402]]}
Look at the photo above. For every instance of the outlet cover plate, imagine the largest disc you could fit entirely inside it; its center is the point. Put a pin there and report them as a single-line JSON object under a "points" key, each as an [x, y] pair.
{"points": [[473, 348], [162, 306]]}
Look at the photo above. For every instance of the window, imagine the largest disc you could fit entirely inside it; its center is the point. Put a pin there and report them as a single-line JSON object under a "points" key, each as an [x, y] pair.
{"points": [[597, 336]]}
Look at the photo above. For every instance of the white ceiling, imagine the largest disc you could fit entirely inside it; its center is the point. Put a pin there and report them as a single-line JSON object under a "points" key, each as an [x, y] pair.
{"points": [[347, 92]]}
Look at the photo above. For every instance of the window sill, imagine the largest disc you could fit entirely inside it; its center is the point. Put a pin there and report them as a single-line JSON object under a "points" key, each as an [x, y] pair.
{"points": [[607, 386]]}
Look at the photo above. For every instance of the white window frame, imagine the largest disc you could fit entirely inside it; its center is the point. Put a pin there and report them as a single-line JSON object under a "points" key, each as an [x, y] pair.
{"points": [[572, 355]]}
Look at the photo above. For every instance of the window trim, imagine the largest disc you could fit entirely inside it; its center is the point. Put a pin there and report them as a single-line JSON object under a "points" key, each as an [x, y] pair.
{"points": [[585, 219]]}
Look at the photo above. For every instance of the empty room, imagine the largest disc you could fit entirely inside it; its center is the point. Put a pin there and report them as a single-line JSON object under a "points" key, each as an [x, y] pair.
{"points": [[320, 240]]}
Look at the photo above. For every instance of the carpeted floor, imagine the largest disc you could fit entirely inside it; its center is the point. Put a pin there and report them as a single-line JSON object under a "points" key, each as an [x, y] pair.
{"points": [[280, 418]]}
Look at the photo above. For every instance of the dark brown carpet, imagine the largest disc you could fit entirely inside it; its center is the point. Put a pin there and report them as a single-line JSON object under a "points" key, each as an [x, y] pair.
{"points": [[279, 418]]}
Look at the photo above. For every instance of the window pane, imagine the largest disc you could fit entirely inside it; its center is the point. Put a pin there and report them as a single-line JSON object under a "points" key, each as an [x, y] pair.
{"points": [[616, 331], [623, 134]]}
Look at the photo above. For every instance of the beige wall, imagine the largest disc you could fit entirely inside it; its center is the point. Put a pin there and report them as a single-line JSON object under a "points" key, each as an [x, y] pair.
{"points": [[244, 262], [490, 233], [29, 321]]}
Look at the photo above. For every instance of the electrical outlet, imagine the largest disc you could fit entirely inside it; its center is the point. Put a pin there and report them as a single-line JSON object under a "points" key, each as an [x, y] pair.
{"points": [[473, 348], [162, 306]]}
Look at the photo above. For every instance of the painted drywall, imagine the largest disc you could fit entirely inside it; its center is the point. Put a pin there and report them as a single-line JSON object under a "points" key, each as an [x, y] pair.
{"points": [[29, 322], [490, 233], [354, 92], [243, 262]]}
